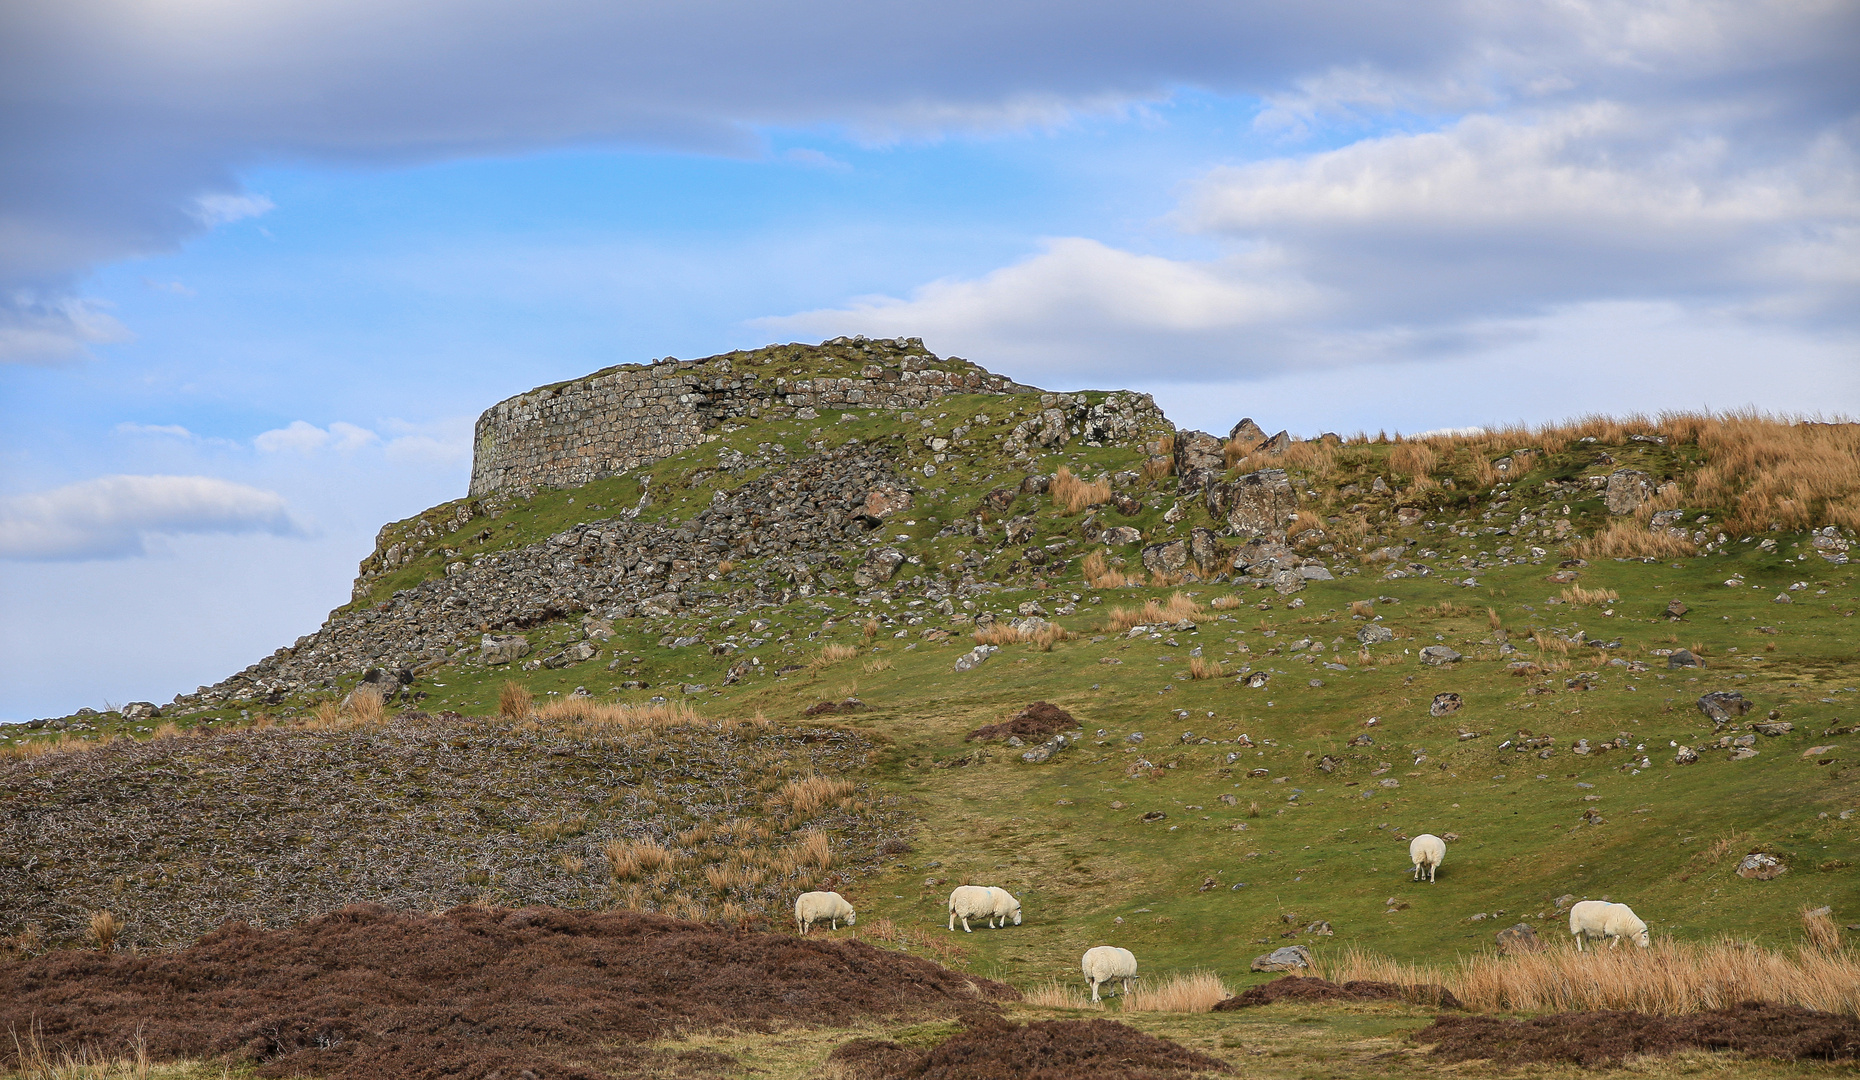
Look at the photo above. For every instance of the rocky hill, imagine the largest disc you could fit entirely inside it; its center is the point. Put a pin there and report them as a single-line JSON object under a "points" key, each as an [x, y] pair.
{"points": [[1614, 657]]}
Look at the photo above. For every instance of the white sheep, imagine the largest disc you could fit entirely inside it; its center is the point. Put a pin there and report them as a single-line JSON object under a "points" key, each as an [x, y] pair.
{"points": [[1108, 963], [997, 905], [827, 907], [1601, 919], [1428, 852]]}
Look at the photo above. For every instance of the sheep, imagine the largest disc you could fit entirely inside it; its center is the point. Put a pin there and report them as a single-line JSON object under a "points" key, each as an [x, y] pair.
{"points": [[814, 907], [1601, 919], [1108, 963], [1427, 851], [997, 905]]}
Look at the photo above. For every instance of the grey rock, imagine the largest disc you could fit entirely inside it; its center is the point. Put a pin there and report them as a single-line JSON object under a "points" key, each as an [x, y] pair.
{"points": [[1683, 658], [879, 567], [1773, 727], [1248, 434], [137, 711], [1206, 552], [1517, 939], [503, 648], [1761, 866], [1199, 459], [1314, 572], [1170, 557], [974, 658], [1444, 704], [1627, 489], [1439, 654], [1255, 505], [1119, 536], [1374, 634], [1288, 958], [1723, 706], [1685, 756]]}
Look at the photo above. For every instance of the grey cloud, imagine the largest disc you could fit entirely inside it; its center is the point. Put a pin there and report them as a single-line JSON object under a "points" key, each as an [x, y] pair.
{"points": [[111, 517]]}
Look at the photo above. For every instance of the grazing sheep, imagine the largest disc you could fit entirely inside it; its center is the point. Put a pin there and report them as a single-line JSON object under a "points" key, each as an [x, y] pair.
{"points": [[1108, 963], [1601, 919], [827, 907], [1427, 851], [982, 902]]}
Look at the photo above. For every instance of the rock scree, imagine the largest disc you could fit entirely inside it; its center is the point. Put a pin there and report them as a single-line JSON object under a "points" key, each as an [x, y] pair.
{"points": [[369, 994], [1753, 1028], [1042, 1050]]}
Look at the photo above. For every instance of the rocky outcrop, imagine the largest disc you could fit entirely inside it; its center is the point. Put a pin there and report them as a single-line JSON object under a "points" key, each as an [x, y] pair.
{"points": [[622, 417], [1259, 504]]}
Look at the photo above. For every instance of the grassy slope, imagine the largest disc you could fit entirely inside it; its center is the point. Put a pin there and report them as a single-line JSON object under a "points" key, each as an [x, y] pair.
{"points": [[1049, 831]]}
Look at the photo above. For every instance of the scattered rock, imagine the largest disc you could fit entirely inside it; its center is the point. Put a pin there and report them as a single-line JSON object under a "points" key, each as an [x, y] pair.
{"points": [[503, 648], [1286, 958], [1721, 706], [1818, 751], [1761, 866], [1683, 658], [1439, 654], [1445, 704], [1627, 489], [1685, 756], [1772, 727], [1676, 609], [1374, 634]]}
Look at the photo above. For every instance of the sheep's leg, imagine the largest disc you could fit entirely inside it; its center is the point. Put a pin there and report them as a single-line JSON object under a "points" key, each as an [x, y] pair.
{"points": [[952, 919], [965, 925], [1127, 983], [1430, 872], [1579, 936], [1614, 942], [1093, 983]]}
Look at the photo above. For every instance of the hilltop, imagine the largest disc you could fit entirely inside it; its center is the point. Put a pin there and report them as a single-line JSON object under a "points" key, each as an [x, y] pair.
{"points": [[1273, 660]]}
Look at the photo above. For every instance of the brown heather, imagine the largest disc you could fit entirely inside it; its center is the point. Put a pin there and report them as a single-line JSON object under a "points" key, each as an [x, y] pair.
{"points": [[1200, 668]]}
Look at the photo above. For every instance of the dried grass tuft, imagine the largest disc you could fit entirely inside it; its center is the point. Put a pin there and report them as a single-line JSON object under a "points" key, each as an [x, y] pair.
{"points": [[1099, 574], [105, 927], [1072, 494], [1193, 992], [1055, 994], [1822, 931], [514, 701], [1178, 607], [1200, 668], [1576, 594]]}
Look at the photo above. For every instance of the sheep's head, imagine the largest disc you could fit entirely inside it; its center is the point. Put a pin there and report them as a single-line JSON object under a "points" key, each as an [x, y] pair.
{"points": [[1014, 908], [1639, 937], [851, 917]]}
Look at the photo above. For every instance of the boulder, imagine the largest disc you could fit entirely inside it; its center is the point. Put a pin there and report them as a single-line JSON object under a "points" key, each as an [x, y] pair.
{"points": [[1255, 505], [887, 499], [1444, 704], [1772, 727], [1761, 866], [1248, 434], [1819, 751], [973, 659], [1683, 658], [1374, 634], [1439, 654], [879, 567], [137, 711], [1169, 557], [1518, 939], [1721, 706], [1278, 444], [1626, 490], [1199, 459], [1119, 536], [1676, 609], [1288, 958], [1206, 551], [503, 648], [1685, 756]]}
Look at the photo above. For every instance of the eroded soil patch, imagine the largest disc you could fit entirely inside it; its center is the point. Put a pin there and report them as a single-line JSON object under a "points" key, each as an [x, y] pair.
{"points": [[1036, 721], [1300, 988]]}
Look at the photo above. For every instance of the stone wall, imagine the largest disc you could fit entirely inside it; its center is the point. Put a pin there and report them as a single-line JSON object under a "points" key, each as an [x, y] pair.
{"points": [[623, 417]]}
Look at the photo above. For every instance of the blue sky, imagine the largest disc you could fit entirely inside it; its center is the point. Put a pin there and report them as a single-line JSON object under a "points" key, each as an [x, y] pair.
{"points": [[260, 269]]}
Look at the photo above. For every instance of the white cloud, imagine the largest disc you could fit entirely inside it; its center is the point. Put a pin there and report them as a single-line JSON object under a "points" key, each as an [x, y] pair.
{"points": [[223, 208], [438, 442], [1079, 303], [51, 330], [111, 517], [303, 437], [172, 431]]}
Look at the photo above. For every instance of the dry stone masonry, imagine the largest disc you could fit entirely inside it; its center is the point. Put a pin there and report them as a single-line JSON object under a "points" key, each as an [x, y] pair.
{"points": [[630, 415]]}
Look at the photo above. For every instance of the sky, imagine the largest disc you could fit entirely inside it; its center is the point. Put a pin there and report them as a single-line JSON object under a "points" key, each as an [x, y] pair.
{"points": [[262, 265]]}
